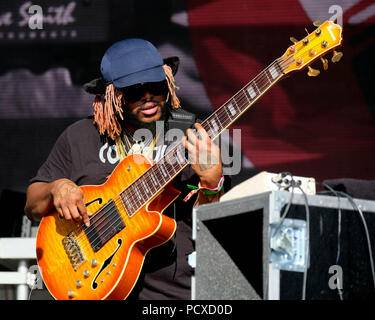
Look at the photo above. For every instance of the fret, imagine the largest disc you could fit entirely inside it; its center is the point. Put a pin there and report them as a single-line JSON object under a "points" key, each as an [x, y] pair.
{"points": [[170, 168], [177, 167], [250, 90], [279, 66], [146, 188], [138, 192], [239, 110], [215, 126], [221, 122], [164, 172], [169, 158], [273, 72], [134, 197], [245, 94], [208, 127], [127, 205], [180, 158], [159, 151], [159, 176], [122, 202], [154, 181], [232, 111], [133, 200], [150, 183], [268, 77], [256, 86]]}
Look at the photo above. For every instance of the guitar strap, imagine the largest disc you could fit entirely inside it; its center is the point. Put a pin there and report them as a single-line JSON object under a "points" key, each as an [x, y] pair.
{"points": [[181, 119]]}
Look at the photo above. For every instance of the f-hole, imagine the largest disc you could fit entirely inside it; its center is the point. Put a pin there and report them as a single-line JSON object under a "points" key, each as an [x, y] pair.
{"points": [[105, 264], [100, 200]]}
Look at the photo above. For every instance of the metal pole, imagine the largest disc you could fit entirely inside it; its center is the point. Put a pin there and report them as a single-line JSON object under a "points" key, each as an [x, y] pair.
{"points": [[22, 289]]}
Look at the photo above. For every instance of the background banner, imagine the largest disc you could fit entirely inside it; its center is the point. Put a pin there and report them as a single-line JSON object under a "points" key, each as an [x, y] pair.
{"points": [[321, 127]]}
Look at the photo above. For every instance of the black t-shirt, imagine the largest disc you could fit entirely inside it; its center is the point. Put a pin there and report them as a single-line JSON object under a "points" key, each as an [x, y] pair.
{"points": [[83, 156]]}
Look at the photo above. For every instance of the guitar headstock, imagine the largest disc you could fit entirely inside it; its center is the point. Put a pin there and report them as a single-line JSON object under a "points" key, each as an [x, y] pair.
{"points": [[315, 45]]}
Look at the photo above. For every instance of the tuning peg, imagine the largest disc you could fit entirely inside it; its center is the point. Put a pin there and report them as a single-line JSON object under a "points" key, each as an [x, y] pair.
{"points": [[294, 40], [325, 63], [336, 56], [313, 72], [317, 23]]}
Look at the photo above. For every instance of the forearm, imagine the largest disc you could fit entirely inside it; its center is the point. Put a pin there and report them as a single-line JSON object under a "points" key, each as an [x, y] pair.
{"points": [[39, 199]]}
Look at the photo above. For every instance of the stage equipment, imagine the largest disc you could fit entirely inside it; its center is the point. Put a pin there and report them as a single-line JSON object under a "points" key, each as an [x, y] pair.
{"points": [[268, 181], [279, 245]]}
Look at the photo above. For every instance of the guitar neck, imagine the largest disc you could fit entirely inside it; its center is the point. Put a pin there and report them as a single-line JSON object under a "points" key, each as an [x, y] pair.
{"points": [[230, 111], [149, 184]]}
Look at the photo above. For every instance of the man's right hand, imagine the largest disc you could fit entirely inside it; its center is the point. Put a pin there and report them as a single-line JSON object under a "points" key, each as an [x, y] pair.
{"points": [[69, 201]]}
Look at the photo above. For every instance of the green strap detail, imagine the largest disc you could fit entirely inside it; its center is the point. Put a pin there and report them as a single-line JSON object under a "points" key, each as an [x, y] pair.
{"points": [[192, 187]]}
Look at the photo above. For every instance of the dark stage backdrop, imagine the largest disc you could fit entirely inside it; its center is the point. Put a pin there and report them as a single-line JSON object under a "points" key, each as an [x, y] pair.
{"points": [[319, 127]]}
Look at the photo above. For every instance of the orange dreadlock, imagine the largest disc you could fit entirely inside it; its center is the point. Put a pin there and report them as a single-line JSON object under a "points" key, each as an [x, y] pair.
{"points": [[105, 117], [175, 102]]}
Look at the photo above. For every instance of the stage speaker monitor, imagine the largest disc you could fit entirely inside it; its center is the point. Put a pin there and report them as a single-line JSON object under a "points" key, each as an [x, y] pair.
{"points": [[267, 181], [236, 248]]}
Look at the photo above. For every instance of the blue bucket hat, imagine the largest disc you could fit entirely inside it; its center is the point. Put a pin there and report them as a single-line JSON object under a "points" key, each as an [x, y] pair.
{"points": [[132, 61]]}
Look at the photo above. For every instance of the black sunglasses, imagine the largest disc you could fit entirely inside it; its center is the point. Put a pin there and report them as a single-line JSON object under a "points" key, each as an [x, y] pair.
{"points": [[136, 92]]}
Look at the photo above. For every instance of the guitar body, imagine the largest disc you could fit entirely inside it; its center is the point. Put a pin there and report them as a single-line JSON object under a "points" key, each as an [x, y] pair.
{"points": [[112, 271]]}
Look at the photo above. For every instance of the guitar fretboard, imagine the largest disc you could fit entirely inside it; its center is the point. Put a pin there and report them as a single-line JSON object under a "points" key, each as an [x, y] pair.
{"points": [[153, 180], [160, 174], [242, 100]]}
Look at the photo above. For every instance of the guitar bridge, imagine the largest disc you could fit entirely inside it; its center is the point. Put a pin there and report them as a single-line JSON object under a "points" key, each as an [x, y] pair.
{"points": [[73, 250]]}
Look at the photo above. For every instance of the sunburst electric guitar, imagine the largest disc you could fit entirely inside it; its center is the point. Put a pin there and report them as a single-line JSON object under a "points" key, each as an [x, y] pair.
{"points": [[104, 260]]}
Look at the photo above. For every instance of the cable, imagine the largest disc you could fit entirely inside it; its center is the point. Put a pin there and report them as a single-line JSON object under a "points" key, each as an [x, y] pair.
{"points": [[286, 210], [307, 243], [351, 200], [340, 292], [32, 287], [356, 208]]}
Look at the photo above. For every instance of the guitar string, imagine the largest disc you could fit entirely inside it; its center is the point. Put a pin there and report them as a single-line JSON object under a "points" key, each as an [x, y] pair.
{"points": [[263, 75], [113, 203]]}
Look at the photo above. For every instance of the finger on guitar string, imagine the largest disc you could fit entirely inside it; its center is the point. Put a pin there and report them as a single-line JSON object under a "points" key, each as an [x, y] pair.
{"points": [[196, 139], [69, 201], [59, 211], [74, 213], [202, 132], [191, 150], [83, 211]]}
